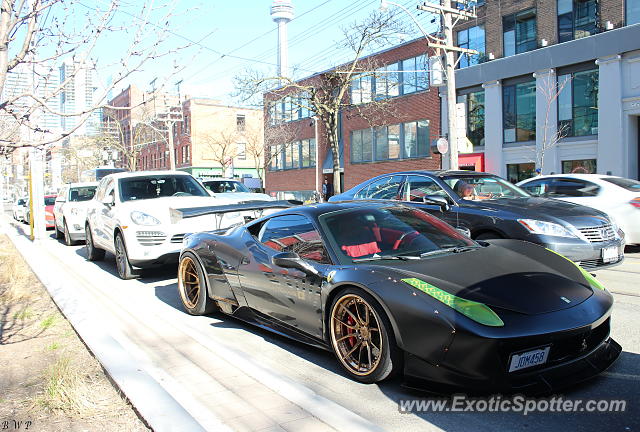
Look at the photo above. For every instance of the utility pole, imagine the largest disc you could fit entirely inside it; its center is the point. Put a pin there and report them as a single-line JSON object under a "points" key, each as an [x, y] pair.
{"points": [[450, 17]]}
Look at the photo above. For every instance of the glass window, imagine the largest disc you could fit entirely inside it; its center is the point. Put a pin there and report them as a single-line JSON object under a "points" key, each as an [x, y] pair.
{"points": [[483, 187], [568, 187], [308, 153], [418, 187], [578, 103], [240, 122], [410, 140], [399, 141], [423, 138], [388, 231], [577, 19], [361, 146], [519, 112], [294, 233], [474, 104], [382, 144], [585, 166], [383, 188], [471, 38], [225, 186], [628, 184], [148, 187], [362, 89], [519, 32], [632, 12], [295, 155], [538, 187], [518, 172], [393, 141]]}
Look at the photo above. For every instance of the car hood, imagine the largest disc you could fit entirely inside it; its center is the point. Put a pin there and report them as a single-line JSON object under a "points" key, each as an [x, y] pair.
{"points": [[243, 196], [160, 208], [507, 274], [544, 208]]}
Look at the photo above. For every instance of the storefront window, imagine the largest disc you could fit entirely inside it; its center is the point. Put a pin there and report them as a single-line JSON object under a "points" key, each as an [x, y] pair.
{"points": [[519, 112], [400, 141], [584, 166], [519, 172]]}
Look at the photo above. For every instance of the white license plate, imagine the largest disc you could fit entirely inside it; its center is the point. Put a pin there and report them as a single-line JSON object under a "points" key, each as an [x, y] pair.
{"points": [[609, 254], [528, 359]]}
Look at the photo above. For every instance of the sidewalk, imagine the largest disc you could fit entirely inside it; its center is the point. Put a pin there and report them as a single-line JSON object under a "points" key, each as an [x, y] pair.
{"points": [[177, 377]]}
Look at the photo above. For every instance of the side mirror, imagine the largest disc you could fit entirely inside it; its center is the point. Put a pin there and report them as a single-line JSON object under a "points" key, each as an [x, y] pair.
{"points": [[109, 200], [293, 260], [438, 200]]}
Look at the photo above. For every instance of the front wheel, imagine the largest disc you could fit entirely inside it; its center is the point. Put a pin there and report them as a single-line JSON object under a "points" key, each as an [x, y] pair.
{"points": [[93, 253], [58, 232], [191, 286], [125, 270], [362, 338], [67, 236]]}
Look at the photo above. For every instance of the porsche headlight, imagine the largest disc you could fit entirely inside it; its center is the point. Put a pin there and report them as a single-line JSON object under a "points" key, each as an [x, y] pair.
{"points": [[479, 312], [545, 228], [140, 218]]}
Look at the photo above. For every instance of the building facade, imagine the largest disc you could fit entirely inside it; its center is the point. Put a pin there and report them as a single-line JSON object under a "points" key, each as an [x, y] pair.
{"points": [[555, 87], [400, 137]]}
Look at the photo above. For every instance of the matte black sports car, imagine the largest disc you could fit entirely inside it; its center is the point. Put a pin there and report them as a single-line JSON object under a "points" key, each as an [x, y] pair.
{"points": [[391, 289]]}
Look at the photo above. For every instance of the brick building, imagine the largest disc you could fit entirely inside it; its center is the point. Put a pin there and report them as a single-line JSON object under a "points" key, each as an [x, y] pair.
{"points": [[556, 86], [399, 139]]}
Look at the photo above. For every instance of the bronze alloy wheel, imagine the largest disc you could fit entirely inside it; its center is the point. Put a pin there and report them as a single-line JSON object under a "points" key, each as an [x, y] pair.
{"points": [[356, 335], [189, 282]]}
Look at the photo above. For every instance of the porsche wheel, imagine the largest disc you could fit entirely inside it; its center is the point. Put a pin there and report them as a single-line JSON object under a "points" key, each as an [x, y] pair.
{"points": [[361, 337], [93, 253], [191, 286], [66, 234], [55, 227], [125, 270]]}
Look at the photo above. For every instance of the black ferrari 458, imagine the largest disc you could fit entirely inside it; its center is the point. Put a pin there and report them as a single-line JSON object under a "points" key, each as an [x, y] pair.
{"points": [[391, 290]]}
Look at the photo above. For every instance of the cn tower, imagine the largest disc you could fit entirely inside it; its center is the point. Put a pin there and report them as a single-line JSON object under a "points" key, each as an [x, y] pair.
{"points": [[282, 13]]}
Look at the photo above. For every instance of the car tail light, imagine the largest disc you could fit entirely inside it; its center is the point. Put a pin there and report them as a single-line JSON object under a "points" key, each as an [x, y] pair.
{"points": [[635, 202]]}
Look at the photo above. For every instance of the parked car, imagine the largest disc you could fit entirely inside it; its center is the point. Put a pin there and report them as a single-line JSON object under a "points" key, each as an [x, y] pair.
{"points": [[70, 211], [391, 289], [49, 201], [491, 207], [233, 189], [132, 215], [619, 197], [19, 209]]}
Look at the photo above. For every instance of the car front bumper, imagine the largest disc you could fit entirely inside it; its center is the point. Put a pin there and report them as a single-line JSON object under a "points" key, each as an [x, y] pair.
{"points": [[587, 255]]}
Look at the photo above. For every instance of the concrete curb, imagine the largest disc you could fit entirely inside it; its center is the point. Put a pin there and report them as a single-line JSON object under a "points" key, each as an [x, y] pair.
{"points": [[156, 406]]}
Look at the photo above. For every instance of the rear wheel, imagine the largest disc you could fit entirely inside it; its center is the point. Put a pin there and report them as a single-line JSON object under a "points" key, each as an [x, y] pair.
{"points": [[191, 286], [125, 270], [362, 338], [93, 253]]}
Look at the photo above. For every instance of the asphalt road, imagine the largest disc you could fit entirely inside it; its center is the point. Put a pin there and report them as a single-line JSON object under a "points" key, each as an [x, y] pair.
{"points": [[147, 313]]}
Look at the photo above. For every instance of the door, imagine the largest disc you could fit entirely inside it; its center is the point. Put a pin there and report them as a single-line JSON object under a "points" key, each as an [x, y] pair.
{"points": [[574, 190], [57, 207], [417, 187], [385, 188], [289, 296], [105, 218]]}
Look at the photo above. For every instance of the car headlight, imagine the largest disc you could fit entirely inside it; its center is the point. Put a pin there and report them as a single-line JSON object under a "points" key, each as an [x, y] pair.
{"points": [[143, 218], [479, 312], [545, 228]]}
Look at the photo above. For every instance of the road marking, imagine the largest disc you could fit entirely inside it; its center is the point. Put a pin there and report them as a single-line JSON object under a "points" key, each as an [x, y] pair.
{"points": [[630, 377]]}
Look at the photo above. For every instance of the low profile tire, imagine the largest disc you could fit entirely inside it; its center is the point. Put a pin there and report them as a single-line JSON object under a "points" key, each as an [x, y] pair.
{"points": [[192, 287], [93, 253], [125, 270], [66, 235], [488, 236], [362, 338]]}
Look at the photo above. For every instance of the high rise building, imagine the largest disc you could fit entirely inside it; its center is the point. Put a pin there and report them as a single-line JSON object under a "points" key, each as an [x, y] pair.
{"points": [[78, 95]]}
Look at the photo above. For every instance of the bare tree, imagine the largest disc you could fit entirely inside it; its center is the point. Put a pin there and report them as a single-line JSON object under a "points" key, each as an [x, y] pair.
{"points": [[327, 94], [551, 89], [36, 35], [222, 147], [80, 154]]}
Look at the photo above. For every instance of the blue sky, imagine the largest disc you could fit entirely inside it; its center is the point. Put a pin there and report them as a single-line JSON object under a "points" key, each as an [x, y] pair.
{"points": [[234, 35]]}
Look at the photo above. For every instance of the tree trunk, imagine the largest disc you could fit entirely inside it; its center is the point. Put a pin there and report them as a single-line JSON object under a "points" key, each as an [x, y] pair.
{"points": [[334, 145]]}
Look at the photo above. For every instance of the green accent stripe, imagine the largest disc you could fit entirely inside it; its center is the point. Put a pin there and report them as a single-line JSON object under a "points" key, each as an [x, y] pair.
{"points": [[478, 312], [593, 282]]}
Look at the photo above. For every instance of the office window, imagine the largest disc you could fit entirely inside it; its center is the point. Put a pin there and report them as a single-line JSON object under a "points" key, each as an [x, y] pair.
{"points": [[474, 104], [583, 166], [240, 122], [241, 151], [400, 141], [519, 112], [632, 12], [308, 150], [472, 38], [362, 89], [577, 19], [578, 103], [519, 32], [415, 77], [519, 172]]}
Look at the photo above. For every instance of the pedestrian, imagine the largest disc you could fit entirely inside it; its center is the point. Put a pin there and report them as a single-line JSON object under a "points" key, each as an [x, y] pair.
{"points": [[327, 190]]}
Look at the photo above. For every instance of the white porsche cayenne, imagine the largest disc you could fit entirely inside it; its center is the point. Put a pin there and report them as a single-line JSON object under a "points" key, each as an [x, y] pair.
{"points": [[130, 217]]}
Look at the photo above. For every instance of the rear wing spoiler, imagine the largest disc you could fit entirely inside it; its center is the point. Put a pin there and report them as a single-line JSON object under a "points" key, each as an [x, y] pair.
{"points": [[258, 206]]}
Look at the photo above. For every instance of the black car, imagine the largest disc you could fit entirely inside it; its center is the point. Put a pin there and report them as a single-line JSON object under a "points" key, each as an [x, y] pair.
{"points": [[391, 289], [490, 207]]}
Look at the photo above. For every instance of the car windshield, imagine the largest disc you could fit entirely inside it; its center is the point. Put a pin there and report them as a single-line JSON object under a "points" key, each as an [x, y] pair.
{"points": [[483, 187], [392, 232], [222, 186], [628, 184], [84, 193], [49, 201], [155, 186]]}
